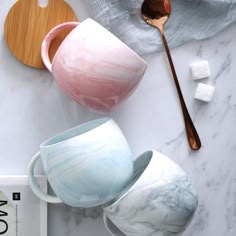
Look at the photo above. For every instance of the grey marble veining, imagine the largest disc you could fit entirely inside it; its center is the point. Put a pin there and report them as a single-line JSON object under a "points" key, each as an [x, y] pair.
{"points": [[161, 202], [33, 108]]}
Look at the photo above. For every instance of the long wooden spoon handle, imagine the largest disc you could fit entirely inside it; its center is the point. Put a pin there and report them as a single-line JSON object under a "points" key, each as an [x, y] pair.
{"points": [[193, 138]]}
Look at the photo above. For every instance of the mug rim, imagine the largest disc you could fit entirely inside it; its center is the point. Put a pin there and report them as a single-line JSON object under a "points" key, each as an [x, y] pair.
{"points": [[46, 143], [105, 220], [95, 22], [140, 173], [63, 41]]}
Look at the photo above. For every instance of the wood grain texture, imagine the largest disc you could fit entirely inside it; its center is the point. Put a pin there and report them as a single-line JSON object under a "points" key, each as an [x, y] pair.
{"points": [[27, 24]]}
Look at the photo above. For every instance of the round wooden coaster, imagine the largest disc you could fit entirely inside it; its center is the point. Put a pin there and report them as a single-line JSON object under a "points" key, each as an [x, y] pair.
{"points": [[27, 24]]}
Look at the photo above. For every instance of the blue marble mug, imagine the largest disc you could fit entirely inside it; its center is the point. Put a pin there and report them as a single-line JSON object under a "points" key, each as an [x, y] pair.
{"points": [[159, 201], [86, 166]]}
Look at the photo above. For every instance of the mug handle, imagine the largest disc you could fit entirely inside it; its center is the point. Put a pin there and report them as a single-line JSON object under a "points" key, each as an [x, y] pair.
{"points": [[34, 185], [110, 227], [49, 38]]}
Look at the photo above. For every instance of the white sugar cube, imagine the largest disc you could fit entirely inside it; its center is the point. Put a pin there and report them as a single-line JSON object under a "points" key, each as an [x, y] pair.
{"points": [[200, 70], [204, 92]]}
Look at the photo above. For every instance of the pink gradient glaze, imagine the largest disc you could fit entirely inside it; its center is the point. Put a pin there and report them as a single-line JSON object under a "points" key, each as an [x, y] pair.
{"points": [[93, 66]]}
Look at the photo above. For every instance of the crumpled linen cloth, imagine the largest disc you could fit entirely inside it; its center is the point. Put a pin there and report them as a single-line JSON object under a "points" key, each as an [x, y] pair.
{"points": [[189, 20]]}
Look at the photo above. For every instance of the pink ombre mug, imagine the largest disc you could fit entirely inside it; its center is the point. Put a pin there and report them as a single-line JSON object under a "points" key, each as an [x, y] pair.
{"points": [[93, 66]]}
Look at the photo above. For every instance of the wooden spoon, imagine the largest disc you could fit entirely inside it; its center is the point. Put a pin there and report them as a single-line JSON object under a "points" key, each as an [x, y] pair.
{"points": [[156, 13]]}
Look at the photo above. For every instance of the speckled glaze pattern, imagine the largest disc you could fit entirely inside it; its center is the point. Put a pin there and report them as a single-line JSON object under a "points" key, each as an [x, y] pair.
{"points": [[87, 165], [93, 66], [161, 202]]}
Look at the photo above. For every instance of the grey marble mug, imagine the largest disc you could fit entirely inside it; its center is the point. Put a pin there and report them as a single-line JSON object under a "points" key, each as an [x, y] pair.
{"points": [[159, 201]]}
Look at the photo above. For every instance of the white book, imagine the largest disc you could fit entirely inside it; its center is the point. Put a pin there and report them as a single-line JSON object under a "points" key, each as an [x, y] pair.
{"points": [[21, 212]]}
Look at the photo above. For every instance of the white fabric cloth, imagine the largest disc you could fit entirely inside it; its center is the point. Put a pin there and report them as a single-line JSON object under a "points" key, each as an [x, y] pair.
{"points": [[190, 19]]}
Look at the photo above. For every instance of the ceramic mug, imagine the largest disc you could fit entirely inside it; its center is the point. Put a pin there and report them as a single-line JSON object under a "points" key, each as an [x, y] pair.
{"points": [[159, 201], [93, 66], [86, 166]]}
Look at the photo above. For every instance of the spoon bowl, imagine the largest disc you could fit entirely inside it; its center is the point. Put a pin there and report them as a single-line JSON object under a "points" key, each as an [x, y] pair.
{"points": [[156, 9], [156, 13]]}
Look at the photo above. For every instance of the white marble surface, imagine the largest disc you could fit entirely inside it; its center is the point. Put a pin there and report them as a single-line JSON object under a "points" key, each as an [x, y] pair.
{"points": [[32, 108]]}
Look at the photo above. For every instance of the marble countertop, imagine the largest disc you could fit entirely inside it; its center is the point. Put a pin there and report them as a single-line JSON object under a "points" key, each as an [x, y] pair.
{"points": [[33, 108]]}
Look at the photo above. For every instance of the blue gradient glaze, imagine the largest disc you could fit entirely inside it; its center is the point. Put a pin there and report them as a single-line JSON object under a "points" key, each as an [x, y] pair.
{"points": [[89, 164]]}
